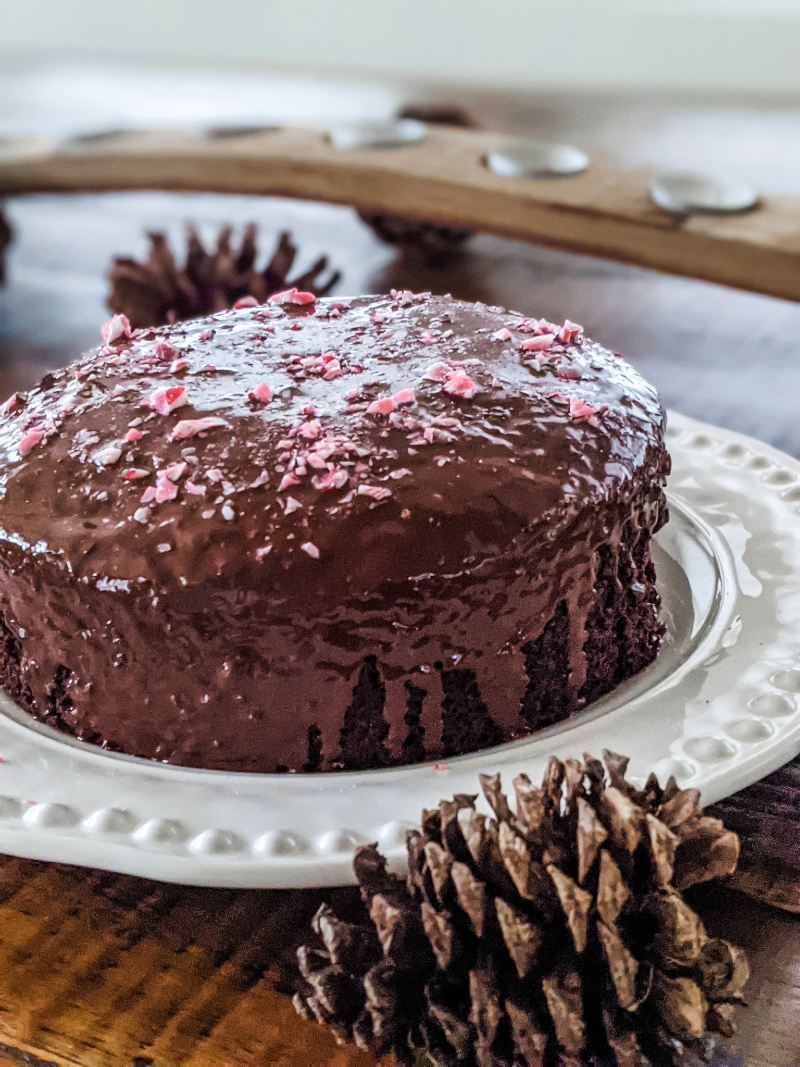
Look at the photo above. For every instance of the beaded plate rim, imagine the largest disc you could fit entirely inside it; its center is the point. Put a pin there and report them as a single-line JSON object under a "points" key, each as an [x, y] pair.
{"points": [[726, 713]]}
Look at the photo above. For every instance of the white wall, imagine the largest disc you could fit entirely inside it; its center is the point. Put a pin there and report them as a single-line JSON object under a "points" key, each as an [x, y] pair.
{"points": [[730, 45]]}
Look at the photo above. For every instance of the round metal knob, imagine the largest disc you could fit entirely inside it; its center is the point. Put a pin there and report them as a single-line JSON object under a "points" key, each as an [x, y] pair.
{"points": [[684, 193], [533, 159], [397, 133]]}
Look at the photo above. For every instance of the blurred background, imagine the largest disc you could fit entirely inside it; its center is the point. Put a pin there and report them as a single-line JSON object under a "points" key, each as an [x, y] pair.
{"points": [[708, 85]]}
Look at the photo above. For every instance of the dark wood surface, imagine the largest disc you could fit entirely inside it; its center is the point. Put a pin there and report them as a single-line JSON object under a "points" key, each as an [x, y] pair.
{"points": [[99, 969]]}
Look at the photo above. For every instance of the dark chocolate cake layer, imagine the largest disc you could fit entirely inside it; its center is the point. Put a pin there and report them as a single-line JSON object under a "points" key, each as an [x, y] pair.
{"points": [[324, 534]]}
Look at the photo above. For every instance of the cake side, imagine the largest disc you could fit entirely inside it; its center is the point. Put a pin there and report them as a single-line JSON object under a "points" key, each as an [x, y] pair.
{"points": [[228, 580]]}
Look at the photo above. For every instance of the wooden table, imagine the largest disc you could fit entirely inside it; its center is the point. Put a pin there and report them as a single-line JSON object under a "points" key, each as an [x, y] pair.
{"points": [[104, 969]]}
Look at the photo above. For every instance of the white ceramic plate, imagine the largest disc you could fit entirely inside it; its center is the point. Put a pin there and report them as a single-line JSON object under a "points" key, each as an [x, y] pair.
{"points": [[718, 709]]}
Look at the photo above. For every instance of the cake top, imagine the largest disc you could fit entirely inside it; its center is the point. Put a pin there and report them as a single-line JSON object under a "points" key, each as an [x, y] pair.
{"points": [[385, 437]]}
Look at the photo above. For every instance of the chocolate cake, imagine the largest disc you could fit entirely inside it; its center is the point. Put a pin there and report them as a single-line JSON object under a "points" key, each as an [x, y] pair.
{"points": [[328, 534]]}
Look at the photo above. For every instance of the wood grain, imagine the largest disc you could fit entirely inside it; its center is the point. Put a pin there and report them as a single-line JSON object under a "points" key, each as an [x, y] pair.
{"points": [[604, 212]]}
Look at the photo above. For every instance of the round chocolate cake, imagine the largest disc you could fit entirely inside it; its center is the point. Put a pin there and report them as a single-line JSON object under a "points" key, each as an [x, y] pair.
{"points": [[317, 535]]}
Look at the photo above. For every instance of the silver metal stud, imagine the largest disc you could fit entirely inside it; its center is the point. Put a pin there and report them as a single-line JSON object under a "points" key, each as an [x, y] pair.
{"points": [[398, 133], [685, 193], [534, 159]]}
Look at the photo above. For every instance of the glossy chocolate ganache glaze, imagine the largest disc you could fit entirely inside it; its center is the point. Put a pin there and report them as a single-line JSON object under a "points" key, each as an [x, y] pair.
{"points": [[315, 535]]}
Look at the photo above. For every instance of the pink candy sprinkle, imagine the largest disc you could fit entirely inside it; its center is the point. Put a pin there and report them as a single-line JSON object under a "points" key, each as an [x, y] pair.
{"points": [[167, 399], [501, 335], [460, 385], [538, 344], [245, 302], [178, 365], [311, 549], [9, 404], [377, 492], [288, 480], [261, 392], [438, 372], [194, 490], [189, 427], [132, 435], [132, 474], [31, 438], [292, 296], [117, 327]]}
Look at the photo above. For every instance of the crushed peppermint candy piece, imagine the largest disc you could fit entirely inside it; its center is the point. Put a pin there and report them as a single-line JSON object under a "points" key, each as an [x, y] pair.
{"points": [[291, 505], [377, 492], [194, 490], [335, 479], [310, 429], [427, 337], [175, 471], [165, 489], [311, 549], [568, 373], [164, 350], [142, 515], [288, 480], [206, 335], [29, 439], [148, 495], [178, 365], [309, 409], [189, 427], [132, 435], [132, 474], [227, 512], [538, 344], [401, 472], [438, 372], [569, 331], [166, 399], [210, 513], [501, 335], [165, 546], [10, 404], [382, 406], [108, 456], [245, 302], [460, 385], [263, 551], [292, 296], [404, 396], [214, 474], [580, 411], [261, 392], [117, 328], [262, 479]]}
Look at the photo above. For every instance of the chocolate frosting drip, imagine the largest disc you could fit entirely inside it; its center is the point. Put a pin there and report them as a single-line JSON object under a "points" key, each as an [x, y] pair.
{"points": [[207, 592]]}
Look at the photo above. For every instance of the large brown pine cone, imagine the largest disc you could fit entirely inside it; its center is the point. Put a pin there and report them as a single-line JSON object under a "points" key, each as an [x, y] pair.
{"points": [[555, 933], [158, 291]]}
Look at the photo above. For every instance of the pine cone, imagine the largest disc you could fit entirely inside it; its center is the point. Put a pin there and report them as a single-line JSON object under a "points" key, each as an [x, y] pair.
{"points": [[6, 233], [422, 243], [158, 292], [553, 934]]}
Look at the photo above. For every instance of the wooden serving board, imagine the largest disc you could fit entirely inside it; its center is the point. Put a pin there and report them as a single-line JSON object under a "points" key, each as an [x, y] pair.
{"points": [[606, 211]]}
